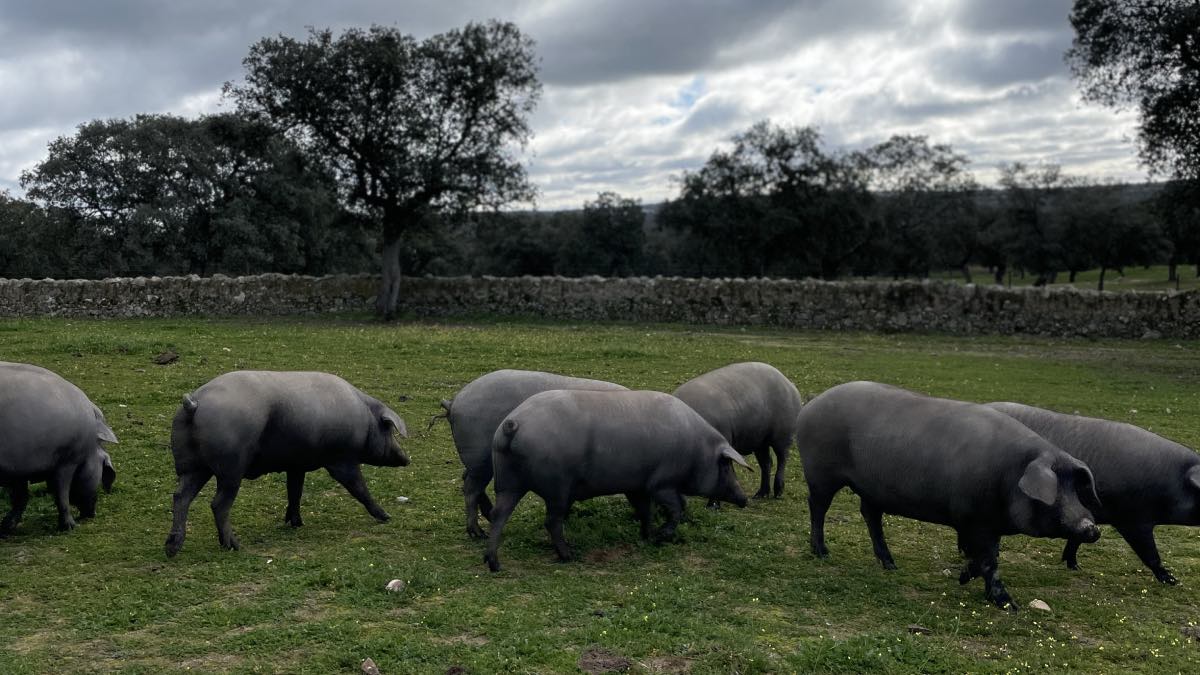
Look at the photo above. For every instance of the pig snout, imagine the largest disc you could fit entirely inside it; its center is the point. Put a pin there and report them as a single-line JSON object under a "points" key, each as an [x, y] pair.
{"points": [[1086, 531], [396, 456]]}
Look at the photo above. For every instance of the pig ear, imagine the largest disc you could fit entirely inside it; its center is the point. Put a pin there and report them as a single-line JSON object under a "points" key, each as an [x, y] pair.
{"points": [[1039, 483], [108, 473], [389, 417], [734, 456], [1085, 487], [103, 432], [1193, 477]]}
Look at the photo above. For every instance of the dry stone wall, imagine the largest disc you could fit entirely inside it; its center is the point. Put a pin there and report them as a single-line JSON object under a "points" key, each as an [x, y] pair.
{"points": [[904, 306]]}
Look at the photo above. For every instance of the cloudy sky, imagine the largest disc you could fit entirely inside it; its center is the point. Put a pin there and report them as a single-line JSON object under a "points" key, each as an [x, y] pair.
{"points": [[635, 91]]}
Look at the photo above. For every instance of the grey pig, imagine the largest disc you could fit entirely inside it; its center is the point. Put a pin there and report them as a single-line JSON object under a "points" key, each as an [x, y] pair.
{"points": [[475, 413], [1142, 478], [248, 423], [754, 406], [571, 445], [50, 431], [941, 461]]}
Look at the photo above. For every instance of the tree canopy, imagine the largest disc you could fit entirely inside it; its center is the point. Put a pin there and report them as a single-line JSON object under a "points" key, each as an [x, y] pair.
{"points": [[157, 194], [776, 203], [1145, 54], [413, 129]]}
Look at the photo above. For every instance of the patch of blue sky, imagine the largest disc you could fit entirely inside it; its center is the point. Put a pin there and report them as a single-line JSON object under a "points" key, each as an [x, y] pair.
{"points": [[690, 93]]}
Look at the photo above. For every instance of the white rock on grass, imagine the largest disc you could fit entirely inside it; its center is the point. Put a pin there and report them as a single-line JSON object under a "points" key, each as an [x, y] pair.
{"points": [[396, 585], [1039, 605]]}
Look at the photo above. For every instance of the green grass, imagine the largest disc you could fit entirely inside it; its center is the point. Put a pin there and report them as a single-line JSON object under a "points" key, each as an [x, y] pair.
{"points": [[1152, 278], [738, 592]]}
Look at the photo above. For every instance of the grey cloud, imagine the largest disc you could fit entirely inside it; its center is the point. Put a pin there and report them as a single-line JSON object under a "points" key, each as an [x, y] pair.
{"points": [[991, 16], [1013, 62], [711, 113], [590, 42]]}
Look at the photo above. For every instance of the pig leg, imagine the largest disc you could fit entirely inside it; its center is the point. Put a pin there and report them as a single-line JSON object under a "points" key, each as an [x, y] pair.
{"points": [[473, 495], [1141, 540], [60, 485], [227, 490], [1068, 554], [485, 505], [189, 486], [672, 501], [874, 518], [556, 512], [819, 499], [781, 447], [295, 488], [644, 508], [505, 503], [971, 569], [983, 551], [351, 478], [18, 495], [763, 455]]}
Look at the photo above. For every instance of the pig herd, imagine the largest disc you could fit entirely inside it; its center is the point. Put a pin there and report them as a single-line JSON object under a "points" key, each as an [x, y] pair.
{"points": [[986, 470]]}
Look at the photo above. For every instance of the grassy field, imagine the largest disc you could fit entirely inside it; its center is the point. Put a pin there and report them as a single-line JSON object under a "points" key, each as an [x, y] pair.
{"points": [[739, 591], [1153, 278]]}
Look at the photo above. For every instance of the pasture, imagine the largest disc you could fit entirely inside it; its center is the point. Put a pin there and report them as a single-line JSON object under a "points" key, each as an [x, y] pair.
{"points": [[738, 592]]}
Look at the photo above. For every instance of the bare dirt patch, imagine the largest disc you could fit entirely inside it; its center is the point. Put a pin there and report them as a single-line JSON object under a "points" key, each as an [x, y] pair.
{"points": [[667, 664], [605, 555], [596, 660], [465, 639]]}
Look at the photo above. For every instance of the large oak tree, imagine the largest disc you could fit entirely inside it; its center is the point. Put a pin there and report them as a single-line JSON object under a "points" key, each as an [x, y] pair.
{"points": [[415, 129]]}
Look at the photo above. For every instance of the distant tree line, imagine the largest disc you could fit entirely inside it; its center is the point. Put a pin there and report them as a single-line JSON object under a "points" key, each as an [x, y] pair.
{"points": [[158, 194]]}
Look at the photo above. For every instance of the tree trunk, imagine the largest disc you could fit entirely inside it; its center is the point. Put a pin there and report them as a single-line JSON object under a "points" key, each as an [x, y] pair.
{"points": [[966, 272], [1173, 271], [389, 288], [1101, 286], [1071, 279]]}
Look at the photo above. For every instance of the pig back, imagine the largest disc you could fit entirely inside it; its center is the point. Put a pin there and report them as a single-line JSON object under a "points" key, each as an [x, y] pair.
{"points": [[932, 459], [1135, 469], [297, 410], [483, 403], [749, 403], [45, 421], [605, 442]]}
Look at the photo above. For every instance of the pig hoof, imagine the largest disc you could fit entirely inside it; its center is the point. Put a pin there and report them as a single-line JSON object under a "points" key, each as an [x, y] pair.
{"points": [[381, 517], [1004, 601], [889, 565], [492, 563], [476, 533], [1166, 577], [231, 544], [294, 521], [761, 494], [68, 524]]}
